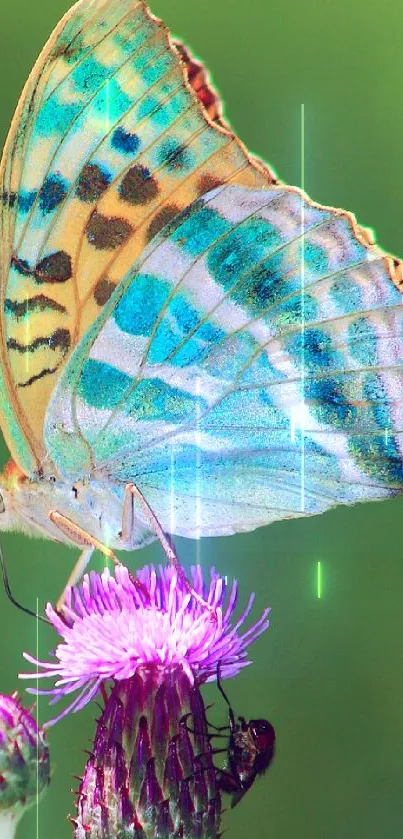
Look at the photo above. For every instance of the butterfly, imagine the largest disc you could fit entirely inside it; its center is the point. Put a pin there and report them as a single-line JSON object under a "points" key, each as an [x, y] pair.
{"points": [[184, 340]]}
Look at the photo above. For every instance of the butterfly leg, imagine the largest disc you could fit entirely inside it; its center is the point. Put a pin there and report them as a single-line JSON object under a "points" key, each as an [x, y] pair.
{"points": [[89, 544], [133, 493], [75, 575]]}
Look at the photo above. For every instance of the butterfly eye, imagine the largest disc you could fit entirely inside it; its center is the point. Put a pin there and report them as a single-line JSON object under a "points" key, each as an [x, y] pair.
{"points": [[2, 504]]}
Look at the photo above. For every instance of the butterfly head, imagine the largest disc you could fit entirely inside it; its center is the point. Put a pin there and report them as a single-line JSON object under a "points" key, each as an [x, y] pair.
{"points": [[27, 504]]}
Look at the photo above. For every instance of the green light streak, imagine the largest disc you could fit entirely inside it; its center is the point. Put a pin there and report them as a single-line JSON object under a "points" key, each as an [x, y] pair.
{"points": [[319, 580], [302, 294]]}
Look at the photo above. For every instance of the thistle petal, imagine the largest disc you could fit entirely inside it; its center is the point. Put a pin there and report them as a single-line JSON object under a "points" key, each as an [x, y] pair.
{"points": [[110, 630]]}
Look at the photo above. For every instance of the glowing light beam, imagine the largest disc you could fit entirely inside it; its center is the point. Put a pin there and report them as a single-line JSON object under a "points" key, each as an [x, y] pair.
{"points": [[302, 301], [319, 580], [37, 720]]}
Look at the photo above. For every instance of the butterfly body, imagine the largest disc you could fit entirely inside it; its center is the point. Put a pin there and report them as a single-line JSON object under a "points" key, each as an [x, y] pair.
{"points": [[172, 318], [94, 507]]}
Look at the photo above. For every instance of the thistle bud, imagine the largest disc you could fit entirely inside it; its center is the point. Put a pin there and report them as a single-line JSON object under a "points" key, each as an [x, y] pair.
{"points": [[24, 763]]}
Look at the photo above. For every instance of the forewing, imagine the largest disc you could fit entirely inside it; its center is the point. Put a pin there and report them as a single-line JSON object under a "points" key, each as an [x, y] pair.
{"points": [[111, 139], [249, 369]]}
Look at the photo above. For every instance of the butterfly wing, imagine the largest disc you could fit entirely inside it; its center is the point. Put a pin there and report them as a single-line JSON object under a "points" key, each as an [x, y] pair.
{"points": [[111, 139], [248, 369]]}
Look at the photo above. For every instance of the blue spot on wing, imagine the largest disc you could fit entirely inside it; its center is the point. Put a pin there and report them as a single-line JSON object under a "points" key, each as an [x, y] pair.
{"points": [[314, 349], [153, 399], [238, 252], [101, 385], [88, 75], [163, 111], [125, 142], [141, 304], [346, 294], [52, 193], [147, 106], [293, 311], [199, 229], [185, 315], [111, 101], [26, 200], [316, 259], [175, 156], [254, 409], [55, 117], [378, 457], [263, 286], [179, 320], [157, 68], [363, 341], [374, 392], [328, 403]]}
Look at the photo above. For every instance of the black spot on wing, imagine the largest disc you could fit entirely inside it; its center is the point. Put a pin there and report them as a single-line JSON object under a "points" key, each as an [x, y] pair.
{"points": [[24, 200], [138, 186], [21, 266], [39, 303], [47, 371], [103, 290], [161, 219], [92, 183], [59, 340], [8, 199], [206, 183], [55, 268], [106, 233]]}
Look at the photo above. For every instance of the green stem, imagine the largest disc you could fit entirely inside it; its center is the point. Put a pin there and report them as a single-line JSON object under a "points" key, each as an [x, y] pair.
{"points": [[8, 823]]}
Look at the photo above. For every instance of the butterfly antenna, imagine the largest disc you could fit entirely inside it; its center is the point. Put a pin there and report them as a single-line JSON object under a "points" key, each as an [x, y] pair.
{"points": [[168, 548], [9, 593]]}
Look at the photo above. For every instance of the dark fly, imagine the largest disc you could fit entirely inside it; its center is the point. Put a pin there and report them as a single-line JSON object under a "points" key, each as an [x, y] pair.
{"points": [[251, 746]]}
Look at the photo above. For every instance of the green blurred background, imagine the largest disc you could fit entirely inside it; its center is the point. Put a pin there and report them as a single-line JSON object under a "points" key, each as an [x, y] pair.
{"points": [[329, 673]]}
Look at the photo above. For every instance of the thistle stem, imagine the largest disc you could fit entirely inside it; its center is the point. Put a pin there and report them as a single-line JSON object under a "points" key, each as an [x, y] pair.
{"points": [[8, 824]]}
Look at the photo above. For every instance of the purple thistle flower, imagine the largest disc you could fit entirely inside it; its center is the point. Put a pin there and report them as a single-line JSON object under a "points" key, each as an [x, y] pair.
{"points": [[111, 628], [151, 771], [24, 763]]}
